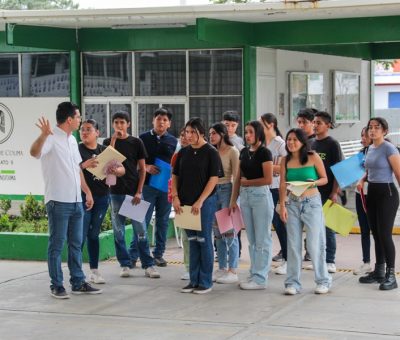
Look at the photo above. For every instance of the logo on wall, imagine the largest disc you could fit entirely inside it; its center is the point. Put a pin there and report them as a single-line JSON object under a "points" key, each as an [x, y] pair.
{"points": [[6, 123]]}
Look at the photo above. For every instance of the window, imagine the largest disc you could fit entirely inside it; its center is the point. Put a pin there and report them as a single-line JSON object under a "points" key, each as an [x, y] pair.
{"points": [[45, 75], [160, 73], [346, 95], [394, 100], [9, 80], [215, 72], [107, 74]]}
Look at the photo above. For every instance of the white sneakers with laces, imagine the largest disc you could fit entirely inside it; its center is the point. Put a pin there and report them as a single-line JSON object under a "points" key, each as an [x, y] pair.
{"points": [[321, 289], [282, 269], [331, 267], [365, 268], [125, 272], [96, 277], [229, 277], [152, 273]]}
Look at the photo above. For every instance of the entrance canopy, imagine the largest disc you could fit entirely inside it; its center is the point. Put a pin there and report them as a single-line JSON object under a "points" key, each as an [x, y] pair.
{"points": [[366, 29]]}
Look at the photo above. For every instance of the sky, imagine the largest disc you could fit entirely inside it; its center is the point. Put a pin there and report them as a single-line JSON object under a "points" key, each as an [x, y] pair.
{"points": [[136, 3]]}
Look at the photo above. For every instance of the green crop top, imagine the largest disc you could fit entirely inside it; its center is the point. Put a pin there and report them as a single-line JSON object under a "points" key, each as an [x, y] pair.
{"points": [[301, 174]]}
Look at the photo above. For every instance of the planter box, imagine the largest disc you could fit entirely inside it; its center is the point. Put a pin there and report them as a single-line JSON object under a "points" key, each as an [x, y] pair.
{"points": [[33, 246]]}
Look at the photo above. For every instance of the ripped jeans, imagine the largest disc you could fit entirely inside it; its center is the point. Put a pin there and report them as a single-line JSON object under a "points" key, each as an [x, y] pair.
{"points": [[118, 223], [201, 258], [258, 209]]}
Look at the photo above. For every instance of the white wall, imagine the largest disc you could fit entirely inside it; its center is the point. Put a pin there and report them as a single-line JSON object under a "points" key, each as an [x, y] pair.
{"points": [[274, 80], [381, 95]]}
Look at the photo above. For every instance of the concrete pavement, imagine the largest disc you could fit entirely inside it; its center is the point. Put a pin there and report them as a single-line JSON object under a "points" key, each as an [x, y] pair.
{"points": [[143, 308]]}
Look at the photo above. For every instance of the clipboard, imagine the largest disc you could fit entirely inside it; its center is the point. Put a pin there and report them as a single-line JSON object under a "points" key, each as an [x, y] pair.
{"points": [[106, 156], [186, 220]]}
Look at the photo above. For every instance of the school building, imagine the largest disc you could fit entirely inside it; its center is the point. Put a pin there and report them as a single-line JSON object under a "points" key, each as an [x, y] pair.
{"points": [[276, 56]]}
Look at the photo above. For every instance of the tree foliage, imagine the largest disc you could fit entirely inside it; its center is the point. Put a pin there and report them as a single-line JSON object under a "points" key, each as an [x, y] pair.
{"points": [[37, 4]]}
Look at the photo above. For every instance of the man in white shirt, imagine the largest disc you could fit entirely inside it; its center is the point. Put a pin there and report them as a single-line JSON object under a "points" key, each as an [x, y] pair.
{"points": [[58, 151]]}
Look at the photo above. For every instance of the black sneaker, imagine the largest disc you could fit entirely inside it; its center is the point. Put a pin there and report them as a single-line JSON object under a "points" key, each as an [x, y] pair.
{"points": [[307, 256], [160, 262], [278, 257], [86, 288], [188, 289], [202, 290], [59, 293]]}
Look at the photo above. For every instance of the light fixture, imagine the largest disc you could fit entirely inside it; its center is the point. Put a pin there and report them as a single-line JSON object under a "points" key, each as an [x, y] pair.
{"points": [[145, 26]]}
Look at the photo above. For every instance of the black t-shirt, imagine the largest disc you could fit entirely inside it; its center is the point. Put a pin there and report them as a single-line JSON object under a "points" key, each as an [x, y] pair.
{"points": [[194, 167], [330, 153], [96, 186], [133, 149], [251, 162]]}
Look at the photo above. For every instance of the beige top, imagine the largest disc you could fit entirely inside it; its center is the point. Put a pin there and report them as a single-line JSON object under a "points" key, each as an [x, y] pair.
{"points": [[230, 164]]}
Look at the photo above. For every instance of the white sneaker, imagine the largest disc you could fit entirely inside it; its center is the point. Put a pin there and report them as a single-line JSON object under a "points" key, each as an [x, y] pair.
{"points": [[331, 267], [251, 285], [152, 273], [321, 289], [229, 277], [290, 290], [125, 272], [281, 270], [308, 267], [217, 274], [185, 276], [365, 268], [96, 277]]}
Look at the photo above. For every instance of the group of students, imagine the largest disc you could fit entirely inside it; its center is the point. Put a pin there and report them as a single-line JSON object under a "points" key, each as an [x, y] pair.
{"points": [[212, 170]]}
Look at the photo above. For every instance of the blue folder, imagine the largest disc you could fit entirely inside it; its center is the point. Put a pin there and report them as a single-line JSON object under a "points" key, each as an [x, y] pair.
{"points": [[160, 181], [349, 171]]}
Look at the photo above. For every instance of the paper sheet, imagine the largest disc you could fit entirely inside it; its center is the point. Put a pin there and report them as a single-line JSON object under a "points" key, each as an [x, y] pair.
{"points": [[297, 188], [187, 220], [228, 222], [349, 171], [338, 218], [135, 212], [106, 156]]}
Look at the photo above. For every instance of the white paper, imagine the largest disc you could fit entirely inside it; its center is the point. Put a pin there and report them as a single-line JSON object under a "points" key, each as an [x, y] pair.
{"points": [[109, 154], [135, 212], [297, 188]]}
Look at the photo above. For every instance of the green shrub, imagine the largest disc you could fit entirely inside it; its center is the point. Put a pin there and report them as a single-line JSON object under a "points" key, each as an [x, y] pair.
{"points": [[5, 224], [38, 226], [5, 206], [106, 225], [33, 210]]}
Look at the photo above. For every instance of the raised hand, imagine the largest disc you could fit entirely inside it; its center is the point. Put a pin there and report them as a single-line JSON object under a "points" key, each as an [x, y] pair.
{"points": [[44, 126]]}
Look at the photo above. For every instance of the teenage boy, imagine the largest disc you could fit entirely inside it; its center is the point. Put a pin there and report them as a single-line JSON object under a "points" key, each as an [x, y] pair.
{"points": [[58, 152], [329, 150], [231, 121], [162, 145], [304, 120], [129, 184]]}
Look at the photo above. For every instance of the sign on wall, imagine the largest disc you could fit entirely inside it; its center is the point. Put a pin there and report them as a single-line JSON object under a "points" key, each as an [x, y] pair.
{"points": [[21, 174]]}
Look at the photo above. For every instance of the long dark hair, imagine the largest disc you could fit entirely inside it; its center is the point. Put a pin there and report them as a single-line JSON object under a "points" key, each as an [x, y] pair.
{"points": [[382, 121], [270, 118], [304, 150], [221, 130], [258, 131], [197, 124]]}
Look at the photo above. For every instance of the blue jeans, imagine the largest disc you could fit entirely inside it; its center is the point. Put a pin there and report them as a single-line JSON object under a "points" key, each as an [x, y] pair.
{"points": [[279, 225], [201, 252], [92, 221], [227, 244], [118, 222], [65, 223], [257, 210], [365, 230], [306, 211], [330, 241], [158, 200]]}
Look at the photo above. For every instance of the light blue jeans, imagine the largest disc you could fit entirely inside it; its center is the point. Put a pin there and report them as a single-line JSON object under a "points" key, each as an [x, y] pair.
{"points": [[227, 244], [306, 211], [258, 209]]}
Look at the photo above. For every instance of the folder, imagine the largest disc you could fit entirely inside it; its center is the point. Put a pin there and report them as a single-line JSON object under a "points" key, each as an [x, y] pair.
{"points": [[109, 154], [135, 212], [349, 171], [297, 188], [227, 222], [160, 181], [186, 220], [338, 218]]}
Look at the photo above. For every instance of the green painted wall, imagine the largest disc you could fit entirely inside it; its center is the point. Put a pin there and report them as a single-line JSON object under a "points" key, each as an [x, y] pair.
{"points": [[249, 83]]}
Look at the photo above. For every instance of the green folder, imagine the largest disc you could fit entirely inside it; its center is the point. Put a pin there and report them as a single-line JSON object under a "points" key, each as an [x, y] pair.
{"points": [[338, 218]]}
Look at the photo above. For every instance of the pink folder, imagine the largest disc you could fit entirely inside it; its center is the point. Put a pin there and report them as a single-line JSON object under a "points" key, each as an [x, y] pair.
{"points": [[228, 222]]}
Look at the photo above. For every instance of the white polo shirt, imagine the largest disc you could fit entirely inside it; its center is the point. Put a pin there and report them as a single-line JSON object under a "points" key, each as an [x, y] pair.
{"points": [[60, 160]]}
